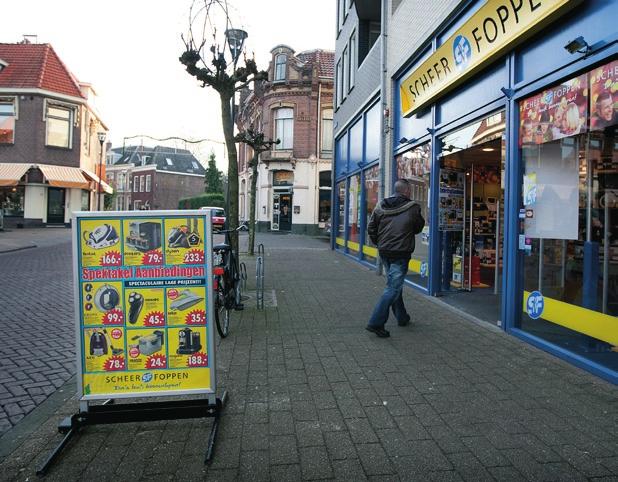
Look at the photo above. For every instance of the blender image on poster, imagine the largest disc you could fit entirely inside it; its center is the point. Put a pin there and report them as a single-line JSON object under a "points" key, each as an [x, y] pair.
{"points": [[187, 347], [183, 242], [102, 303], [104, 349], [186, 306], [100, 243], [142, 242], [146, 349], [145, 307]]}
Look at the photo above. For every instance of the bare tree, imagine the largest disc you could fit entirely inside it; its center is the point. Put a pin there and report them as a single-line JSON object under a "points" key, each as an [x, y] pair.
{"points": [[259, 144], [210, 33]]}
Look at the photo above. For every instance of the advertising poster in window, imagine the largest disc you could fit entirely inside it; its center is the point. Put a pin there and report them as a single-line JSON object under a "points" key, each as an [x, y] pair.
{"points": [[604, 96], [143, 327], [451, 200], [558, 112]]}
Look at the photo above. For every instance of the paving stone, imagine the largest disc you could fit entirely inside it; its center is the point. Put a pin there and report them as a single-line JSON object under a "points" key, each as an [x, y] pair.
{"points": [[285, 473], [361, 431], [309, 434], [350, 470], [254, 466], [283, 450], [314, 463], [340, 446]]}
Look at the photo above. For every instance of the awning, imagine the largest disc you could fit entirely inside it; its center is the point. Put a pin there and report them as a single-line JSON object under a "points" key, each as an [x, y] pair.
{"points": [[92, 176], [11, 173], [61, 176]]}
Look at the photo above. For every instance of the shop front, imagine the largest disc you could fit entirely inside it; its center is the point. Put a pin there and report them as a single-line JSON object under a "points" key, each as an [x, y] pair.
{"points": [[508, 135]]}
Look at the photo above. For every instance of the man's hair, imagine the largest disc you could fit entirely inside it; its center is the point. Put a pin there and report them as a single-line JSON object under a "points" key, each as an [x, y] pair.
{"points": [[604, 96], [402, 186]]}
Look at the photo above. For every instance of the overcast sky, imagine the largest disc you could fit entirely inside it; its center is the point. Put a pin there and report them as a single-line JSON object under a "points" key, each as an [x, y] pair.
{"points": [[129, 49]]}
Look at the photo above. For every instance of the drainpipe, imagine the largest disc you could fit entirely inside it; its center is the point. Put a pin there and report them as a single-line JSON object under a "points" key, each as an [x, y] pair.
{"points": [[318, 152], [384, 104]]}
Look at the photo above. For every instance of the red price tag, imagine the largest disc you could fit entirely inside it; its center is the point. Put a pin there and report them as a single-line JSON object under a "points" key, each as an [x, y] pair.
{"points": [[194, 256], [113, 317], [114, 363], [154, 318], [153, 257], [197, 360], [111, 258], [156, 361], [196, 317]]}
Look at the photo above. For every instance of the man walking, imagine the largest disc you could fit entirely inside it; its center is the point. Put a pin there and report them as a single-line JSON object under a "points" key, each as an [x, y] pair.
{"points": [[393, 225]]}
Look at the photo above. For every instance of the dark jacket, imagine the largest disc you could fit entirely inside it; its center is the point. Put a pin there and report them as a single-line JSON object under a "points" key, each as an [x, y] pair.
{"points": [[393, 225]]}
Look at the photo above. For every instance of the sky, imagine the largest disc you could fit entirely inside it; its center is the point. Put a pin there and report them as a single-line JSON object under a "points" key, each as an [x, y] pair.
{"points": [[128, 50]]}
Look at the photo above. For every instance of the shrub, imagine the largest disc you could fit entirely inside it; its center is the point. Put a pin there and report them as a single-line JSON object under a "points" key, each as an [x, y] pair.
{"points": [[206, 199]]}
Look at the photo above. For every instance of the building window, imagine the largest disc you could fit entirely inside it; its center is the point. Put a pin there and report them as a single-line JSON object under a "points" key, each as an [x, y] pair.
{"points": [[120, 205], [12, 200], [7, 121], [339, 88], [85, 200], [135, 183], [327, 131], [280, 66], [340, 13], [352, 63], [325, 193], [136, 205], [141, 184], [120, 182], [284, 128], [148, 182], [59, 121], [169, 161], [346, 70]]}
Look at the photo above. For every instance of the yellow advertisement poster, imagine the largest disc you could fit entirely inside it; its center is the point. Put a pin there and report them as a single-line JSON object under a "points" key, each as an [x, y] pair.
{"points": [[100, 243], [102, 303], [143, 241], [186, 347], [104, 349], [184, 240], [186, 306], [145, 307], [146, 349]]}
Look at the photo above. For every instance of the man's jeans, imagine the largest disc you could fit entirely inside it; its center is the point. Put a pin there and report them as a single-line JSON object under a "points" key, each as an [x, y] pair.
{"points": [[396, 270]]}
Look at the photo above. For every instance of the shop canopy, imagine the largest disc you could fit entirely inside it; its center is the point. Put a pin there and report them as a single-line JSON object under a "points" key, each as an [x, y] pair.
{"points": [[11, 173], [93, 177], [62, 176]]}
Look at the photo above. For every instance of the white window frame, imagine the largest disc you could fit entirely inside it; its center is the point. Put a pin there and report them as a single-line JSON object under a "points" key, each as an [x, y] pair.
{"points": [[136, 204], [141, 183], [327, 115], [286, 144], [346, 70], [277, 75], [148, 182], [338, 86], [13, 102], [135, 183], [352, 62], [71, 121]]}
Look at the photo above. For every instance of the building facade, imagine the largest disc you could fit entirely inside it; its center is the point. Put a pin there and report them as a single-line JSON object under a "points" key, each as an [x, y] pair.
{"points": [[153, 178], [295, 106], [503, 116], [49, 147]]}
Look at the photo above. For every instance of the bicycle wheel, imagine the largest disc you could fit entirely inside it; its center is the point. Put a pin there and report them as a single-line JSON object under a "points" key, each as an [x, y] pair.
{"points": [[222, 312]]}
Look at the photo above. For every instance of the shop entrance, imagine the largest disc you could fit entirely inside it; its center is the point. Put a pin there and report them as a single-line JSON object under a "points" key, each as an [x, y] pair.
{"points": [[55, 205], [472, 217], [282, 211]]}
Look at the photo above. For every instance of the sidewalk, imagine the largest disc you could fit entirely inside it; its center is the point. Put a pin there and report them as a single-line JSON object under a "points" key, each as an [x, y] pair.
{"points": [[315, 396], [18, 239]]}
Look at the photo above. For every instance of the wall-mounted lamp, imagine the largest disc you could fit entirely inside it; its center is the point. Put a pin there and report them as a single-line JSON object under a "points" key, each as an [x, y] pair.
{"points": [[430, 130], [508, 93], [578, 45], [405, 140]]}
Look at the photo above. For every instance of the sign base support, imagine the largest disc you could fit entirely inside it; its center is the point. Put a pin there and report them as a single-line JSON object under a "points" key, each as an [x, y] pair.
{"points": [[110, 412]]}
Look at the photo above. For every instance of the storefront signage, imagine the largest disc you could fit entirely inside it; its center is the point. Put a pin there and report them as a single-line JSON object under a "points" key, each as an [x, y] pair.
{"points": [[535, 304], [604, 96], [143, 304], [496, 26]]}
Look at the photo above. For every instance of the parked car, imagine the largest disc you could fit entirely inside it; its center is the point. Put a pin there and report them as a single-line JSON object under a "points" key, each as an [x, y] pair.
{"points": [[218, 218]]}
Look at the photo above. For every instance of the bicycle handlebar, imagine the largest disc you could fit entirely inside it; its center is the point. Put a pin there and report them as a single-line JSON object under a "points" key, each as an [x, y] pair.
{"points": [[242, 227]]}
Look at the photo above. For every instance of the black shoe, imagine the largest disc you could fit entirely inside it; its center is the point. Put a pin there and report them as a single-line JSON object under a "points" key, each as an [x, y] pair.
{"points": [[378, 330], [404, 322]]}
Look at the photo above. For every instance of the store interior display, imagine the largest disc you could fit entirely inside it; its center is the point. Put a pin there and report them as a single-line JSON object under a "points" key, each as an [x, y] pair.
{"points": [[144, 235], [102, 236]]}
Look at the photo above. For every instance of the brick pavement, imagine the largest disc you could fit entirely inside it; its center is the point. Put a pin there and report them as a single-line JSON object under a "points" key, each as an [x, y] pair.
{"points": [[316, 397]]}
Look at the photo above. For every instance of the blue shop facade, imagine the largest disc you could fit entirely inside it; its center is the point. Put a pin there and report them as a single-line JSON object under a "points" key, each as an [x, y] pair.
{"points": [[515, 166]]}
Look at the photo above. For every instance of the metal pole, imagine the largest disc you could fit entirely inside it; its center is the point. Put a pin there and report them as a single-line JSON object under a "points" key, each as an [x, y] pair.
{"points": [[471, 229], [605, 255], [496, 270], [541, 249], [100, 176], [463, 237]]}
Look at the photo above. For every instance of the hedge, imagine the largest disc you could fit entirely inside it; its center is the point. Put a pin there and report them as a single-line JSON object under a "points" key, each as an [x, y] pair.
{"points": [[196, 202]]}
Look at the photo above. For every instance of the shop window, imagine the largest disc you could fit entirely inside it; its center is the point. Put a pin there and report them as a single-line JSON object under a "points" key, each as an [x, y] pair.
{"points": [[325, 195], [12, 200], [340, 213], [356, 145], [7, 120], [354, 205], [327, 131], [85, 200], [283, 178], [415, 166], [341, 155], [280, 67], [372, 133], [284, 128], [59, 121], [372, 192], [569, 151]]}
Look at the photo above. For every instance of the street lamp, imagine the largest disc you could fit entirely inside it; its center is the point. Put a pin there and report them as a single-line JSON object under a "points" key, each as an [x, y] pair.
{"points": [[101, 135]]}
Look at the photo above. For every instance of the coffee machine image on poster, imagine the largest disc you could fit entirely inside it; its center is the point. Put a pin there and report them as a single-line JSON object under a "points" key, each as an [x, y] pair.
{"points": [[146, 349], [187, 347], [184, 243], [186, 306], [143, 239], [102, 303], [145, 307], [104, 349], [100, 242]]}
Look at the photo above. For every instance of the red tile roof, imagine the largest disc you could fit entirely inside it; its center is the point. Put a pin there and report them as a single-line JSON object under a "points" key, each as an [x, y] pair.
{"points": [[36, 66], [325, 59]]}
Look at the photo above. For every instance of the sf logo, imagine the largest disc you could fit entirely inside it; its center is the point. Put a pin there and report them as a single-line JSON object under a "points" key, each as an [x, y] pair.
{"points": [[535, 305]]}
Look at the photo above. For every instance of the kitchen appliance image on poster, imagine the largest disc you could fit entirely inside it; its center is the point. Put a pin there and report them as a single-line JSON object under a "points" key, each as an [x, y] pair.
{"points": [[104, 349], [100, 243], [102, 303], [187, 348], [183, 241], [143, 240], [146, 349], [144, 307], [186, 306]]}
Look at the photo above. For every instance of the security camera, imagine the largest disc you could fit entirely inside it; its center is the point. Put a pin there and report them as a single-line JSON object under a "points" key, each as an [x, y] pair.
{"points": [[578, 45]]}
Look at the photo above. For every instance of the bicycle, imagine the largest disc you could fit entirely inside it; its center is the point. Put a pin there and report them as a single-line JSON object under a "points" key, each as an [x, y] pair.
{"points": [[227, 282]]}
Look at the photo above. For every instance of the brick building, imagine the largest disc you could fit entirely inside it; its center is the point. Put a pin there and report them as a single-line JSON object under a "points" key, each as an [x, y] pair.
{"points": [[49, 148], [153, 178], [295, 106]]}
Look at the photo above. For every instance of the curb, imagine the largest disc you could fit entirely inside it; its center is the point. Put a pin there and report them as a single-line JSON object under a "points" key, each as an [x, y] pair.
{"points": [[21, 248]]}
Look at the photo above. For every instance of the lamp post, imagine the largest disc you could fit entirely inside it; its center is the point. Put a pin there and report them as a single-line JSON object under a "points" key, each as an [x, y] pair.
{"points": [[101, 135]]}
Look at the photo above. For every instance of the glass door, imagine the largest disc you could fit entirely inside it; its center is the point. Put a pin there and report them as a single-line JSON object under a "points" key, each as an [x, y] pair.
{"points": [[55, 205]]}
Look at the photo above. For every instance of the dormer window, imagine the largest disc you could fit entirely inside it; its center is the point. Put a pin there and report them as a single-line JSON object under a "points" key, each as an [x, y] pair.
{"points": [[280, 66]]}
